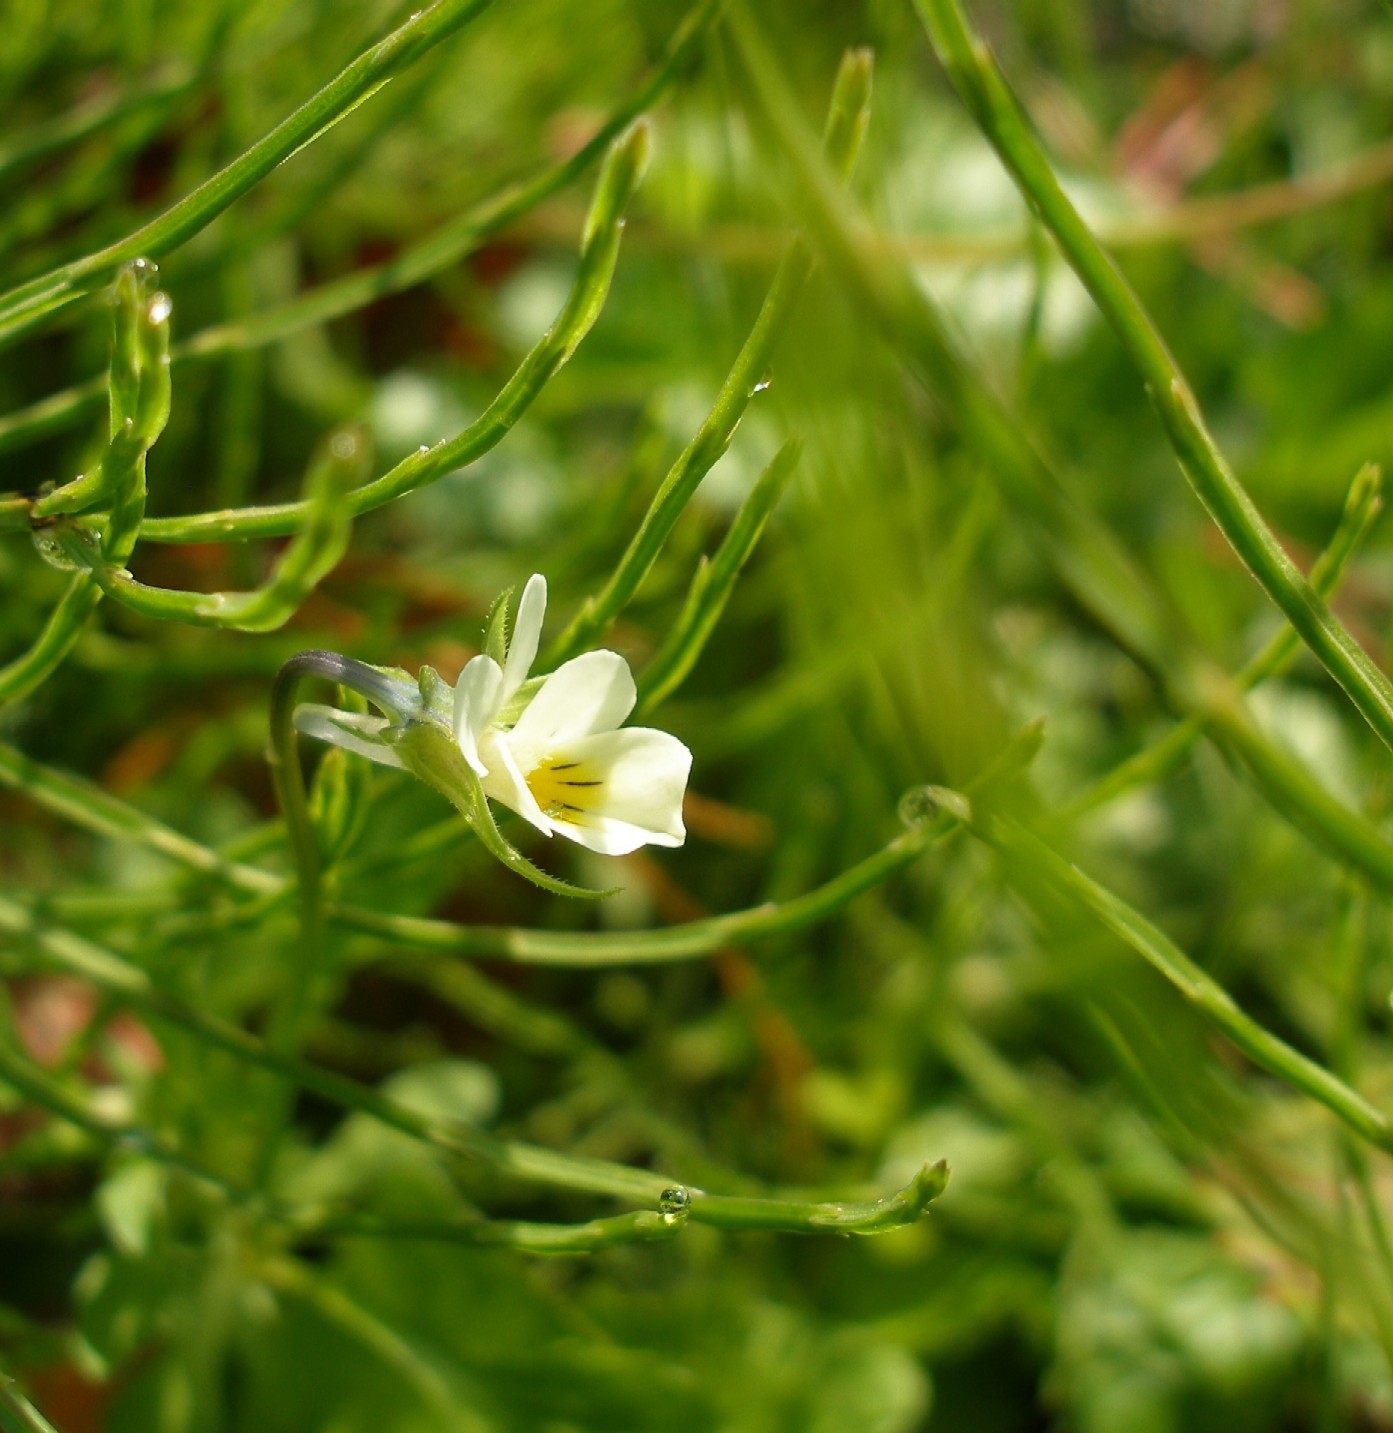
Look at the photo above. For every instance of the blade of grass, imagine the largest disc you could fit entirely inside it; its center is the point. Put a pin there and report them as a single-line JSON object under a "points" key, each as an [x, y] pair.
{"points": [[845, 128], [714, 582]]}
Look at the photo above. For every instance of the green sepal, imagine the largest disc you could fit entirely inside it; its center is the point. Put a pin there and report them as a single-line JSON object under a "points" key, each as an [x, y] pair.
{"points": [[496, 627], [437, 697], [431, 753]]}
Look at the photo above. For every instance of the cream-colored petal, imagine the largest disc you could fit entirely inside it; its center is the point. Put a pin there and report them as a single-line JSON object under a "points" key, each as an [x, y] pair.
{"points": [[590, 693], [614, 791], [506, 784], [527, 635], [353, 731], [477, 699]]}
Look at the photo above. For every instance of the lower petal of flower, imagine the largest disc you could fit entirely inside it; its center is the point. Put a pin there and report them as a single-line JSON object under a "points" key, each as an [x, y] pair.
{"points": [[616, 790]]}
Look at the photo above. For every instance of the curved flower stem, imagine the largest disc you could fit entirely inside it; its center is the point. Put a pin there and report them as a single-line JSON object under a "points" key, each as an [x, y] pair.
{"points": [[846, 124], [997, 111], [22, 307], [283, 757]]}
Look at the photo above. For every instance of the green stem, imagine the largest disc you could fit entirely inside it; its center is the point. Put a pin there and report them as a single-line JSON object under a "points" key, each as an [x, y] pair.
{"points": [[998, 112], [675, 1203], [318, 546], [1196, 985], [1157, 761], [714, 582], [30, 671], [647, 947], [17, 1414]]}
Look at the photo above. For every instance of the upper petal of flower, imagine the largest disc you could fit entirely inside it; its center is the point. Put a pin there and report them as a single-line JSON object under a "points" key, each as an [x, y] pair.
{"points": [[590, 693], [478, 696], [353, 731], [527, 635], [614, 791]]}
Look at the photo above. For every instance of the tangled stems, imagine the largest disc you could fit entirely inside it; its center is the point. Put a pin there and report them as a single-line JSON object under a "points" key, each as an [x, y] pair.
{"points": [[531, 1163], [418, 262], [139, 396], [32, 301]]}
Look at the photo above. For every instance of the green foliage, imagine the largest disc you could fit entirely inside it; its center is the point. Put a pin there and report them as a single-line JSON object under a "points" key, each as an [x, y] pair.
{"points": [[1039, 823]]}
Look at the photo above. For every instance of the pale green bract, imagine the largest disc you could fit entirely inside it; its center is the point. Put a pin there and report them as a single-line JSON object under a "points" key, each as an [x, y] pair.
{"points": [[553, 749]]}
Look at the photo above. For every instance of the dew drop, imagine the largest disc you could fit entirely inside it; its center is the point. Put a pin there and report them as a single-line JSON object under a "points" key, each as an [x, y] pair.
{"points": [[761, 387], [51, 550], [674, 1204], [159, 308], [922, 804], [918, 805]]}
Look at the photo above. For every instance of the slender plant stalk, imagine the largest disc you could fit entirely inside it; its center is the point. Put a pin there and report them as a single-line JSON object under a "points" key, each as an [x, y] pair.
{"points": [[649, 947], [714, 582], [1196, 985], [675, 1203], [1155, 762], [619, 177], [17, 1414], [995, 108]]}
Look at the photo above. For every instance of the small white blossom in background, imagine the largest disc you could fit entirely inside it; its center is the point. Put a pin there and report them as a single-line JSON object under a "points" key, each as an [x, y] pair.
{"points": [[560, 757]]}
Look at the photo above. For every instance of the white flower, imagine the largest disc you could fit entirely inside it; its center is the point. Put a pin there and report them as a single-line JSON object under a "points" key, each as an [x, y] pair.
{"points": [[551, 749], [565, 765]]}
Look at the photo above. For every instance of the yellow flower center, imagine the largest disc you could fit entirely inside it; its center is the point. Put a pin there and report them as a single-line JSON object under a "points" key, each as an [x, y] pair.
{"points": [[565, 790]]}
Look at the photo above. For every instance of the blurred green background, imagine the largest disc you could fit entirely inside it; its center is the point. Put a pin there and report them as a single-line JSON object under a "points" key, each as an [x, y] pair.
{"points": [[1144, 1232]]}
